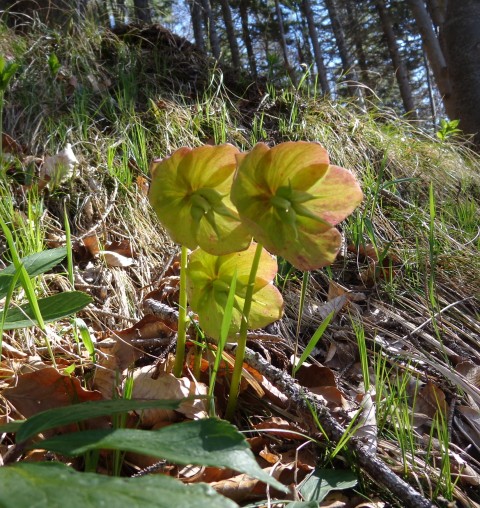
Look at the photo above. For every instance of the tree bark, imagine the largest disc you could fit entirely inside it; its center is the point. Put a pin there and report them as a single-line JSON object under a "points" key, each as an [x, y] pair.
{"points": [[355, 29], [197, 24], [461, 32], [317, 52], [283, 42], [348, 63], [399, 67], [243, 6], [142, 11], [436, 8], [434, 51], [211, 29], [232, 39]]}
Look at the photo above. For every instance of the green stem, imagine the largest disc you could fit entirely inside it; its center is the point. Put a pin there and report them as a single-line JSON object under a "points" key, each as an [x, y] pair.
{"points": [[242, 340], [305, 279], [182, 315]]}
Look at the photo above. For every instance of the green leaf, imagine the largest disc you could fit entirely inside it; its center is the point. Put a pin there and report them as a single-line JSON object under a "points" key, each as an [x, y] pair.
{"points": [[51, 308], [208, 442], [322, 481], [190, 193], [208, 282], [78, 412], [54, 485], [35, 264]]}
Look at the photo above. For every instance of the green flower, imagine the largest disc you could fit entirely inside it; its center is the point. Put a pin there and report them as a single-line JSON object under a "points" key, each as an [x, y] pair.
{"points": [[190, 195], [290, 198], [208, 283]]}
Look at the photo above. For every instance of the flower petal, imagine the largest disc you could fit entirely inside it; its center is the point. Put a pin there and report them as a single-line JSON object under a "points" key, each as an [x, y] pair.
{"points": [[190, 195], [208, 282]]}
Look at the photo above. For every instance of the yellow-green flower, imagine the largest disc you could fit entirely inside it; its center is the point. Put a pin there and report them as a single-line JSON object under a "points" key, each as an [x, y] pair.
{"points": [[290, 198], [190, 195], [208, 284]]}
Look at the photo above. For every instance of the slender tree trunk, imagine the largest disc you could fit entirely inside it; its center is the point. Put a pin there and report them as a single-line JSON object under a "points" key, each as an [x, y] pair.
{"points": [[211, 29], [436, 8], [399, 67], [434, 51], [348, 63], [283, 42], [232, 39], [317, 52], [243, 6], [462, 48], [142, 11], [197, 25], [355, 29]]}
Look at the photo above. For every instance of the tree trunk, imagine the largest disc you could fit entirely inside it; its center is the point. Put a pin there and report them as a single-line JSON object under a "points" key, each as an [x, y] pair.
{"points": [[283, 42], [399, 67], [436, 8], [434, 51], [355, 29], [317, 52], [345, 56], [212, 31], [243, 6], [197, 25], [142, 11], [232, 40], [461, 32]]}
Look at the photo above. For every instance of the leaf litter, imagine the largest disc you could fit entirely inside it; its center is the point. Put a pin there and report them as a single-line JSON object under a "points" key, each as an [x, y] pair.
{"points": [[121, 256]]}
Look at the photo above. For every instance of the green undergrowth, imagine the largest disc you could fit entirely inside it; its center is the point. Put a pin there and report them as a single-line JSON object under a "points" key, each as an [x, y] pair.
{"points": [[122, 102]]}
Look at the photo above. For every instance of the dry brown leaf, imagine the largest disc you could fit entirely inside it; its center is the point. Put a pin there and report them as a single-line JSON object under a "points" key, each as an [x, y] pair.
{"points": [[123, 354], [167, 386], [279, 427], [332, 396], [92, 244], [113, 259], [47, 389], [429, 400], [242, 487], [315, 376]]}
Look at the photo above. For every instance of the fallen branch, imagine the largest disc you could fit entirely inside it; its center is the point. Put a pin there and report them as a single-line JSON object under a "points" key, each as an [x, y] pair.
{"points": [[373, 466]]}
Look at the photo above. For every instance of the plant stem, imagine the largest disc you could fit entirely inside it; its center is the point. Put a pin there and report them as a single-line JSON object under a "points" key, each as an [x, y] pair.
{"points": [[182, 315], [242, 340]]}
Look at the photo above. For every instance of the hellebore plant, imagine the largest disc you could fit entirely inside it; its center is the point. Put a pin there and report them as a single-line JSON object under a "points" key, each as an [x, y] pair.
{"points": [[190, 195], [289, 198]]}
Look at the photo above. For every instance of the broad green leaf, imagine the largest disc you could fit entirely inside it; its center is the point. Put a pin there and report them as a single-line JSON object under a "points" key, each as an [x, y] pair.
{"points": [[290, 198], [78, 412], [190, 193], [54, 485], [208, 284], [207, 442], [35, 264], [322, 481], [51, 308]]}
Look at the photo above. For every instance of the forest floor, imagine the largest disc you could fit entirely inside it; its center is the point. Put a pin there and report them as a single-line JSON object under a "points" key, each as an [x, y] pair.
{"points": [[385, 411]]}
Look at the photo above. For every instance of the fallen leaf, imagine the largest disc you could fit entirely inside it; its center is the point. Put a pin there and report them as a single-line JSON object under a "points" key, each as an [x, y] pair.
{"points": [[429, 400], [123, 354], [46, 389], [277, 426], [167, 386], [113, 259]]}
